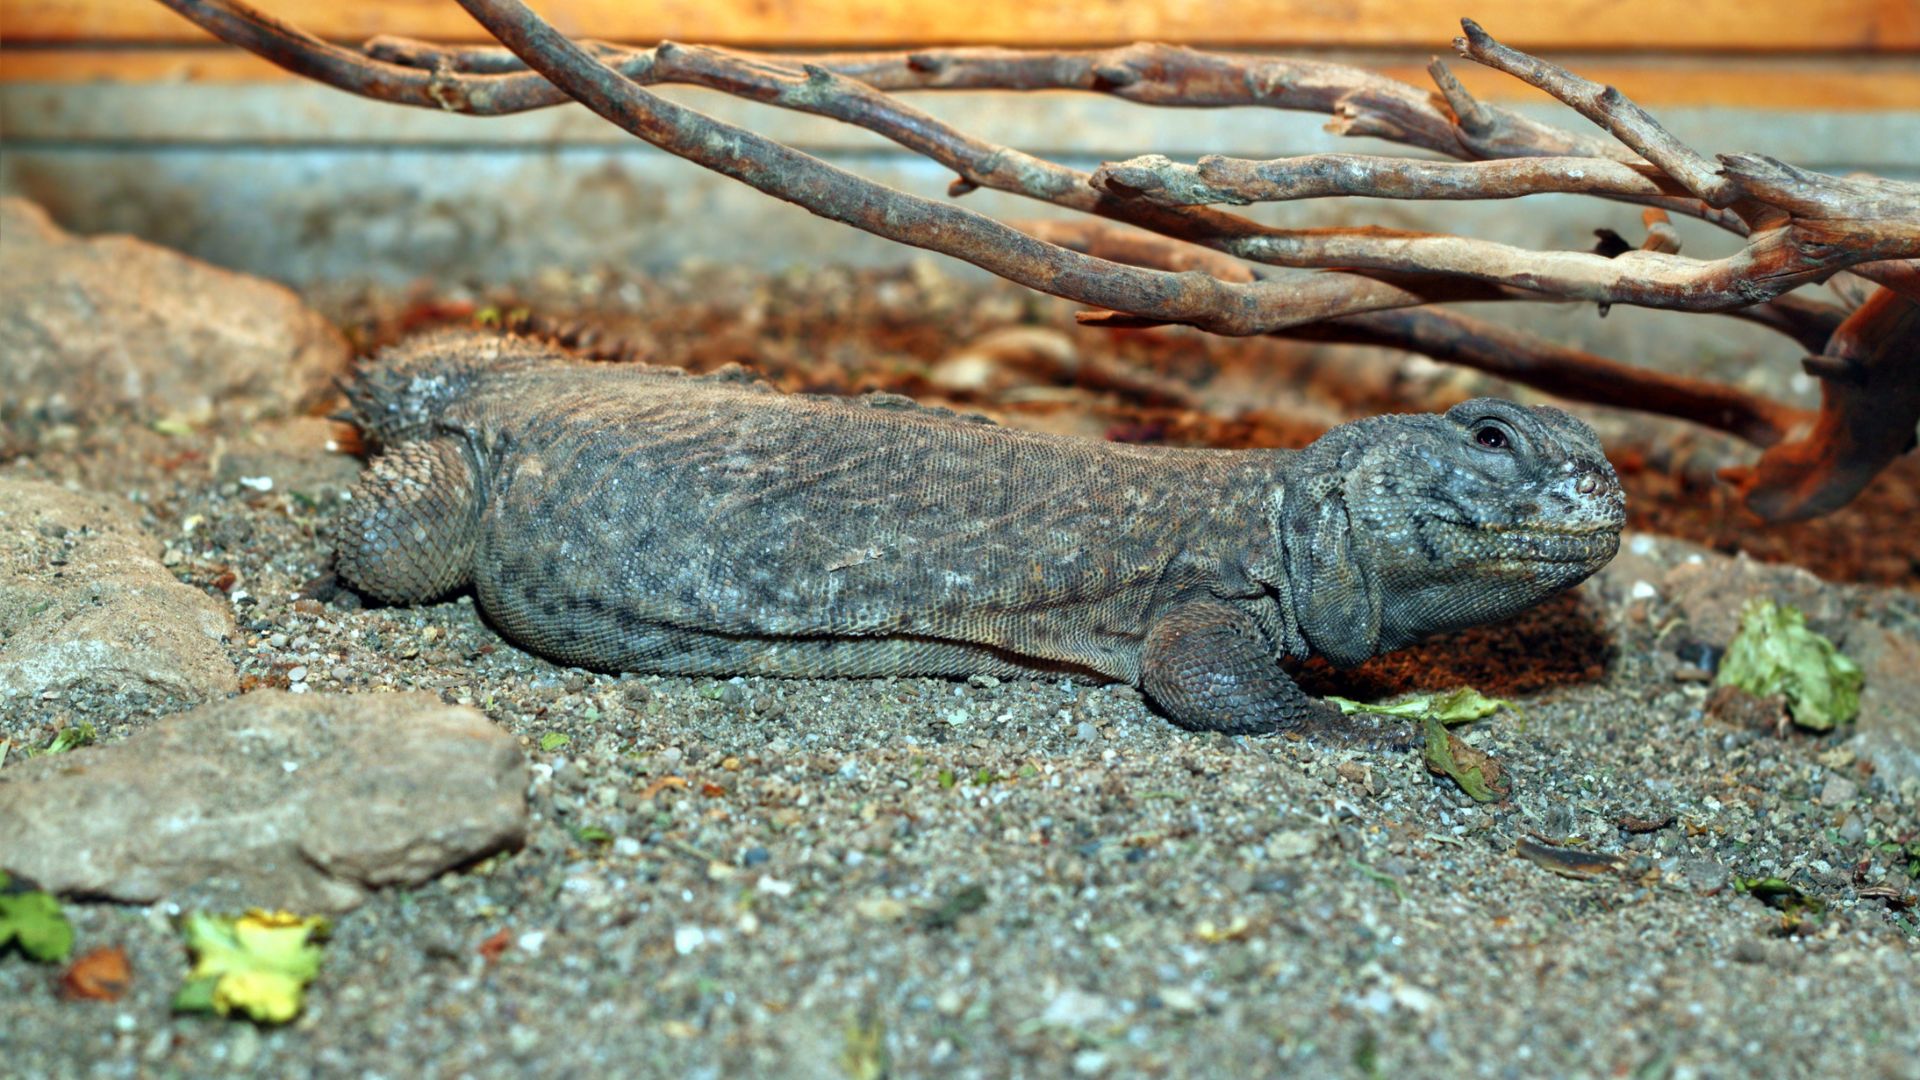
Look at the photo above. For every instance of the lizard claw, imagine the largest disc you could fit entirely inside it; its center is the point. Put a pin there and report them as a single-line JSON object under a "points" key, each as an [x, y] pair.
{"points": [[1326, 722]]}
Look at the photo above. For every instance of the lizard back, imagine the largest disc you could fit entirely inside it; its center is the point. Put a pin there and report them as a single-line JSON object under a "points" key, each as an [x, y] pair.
{"points": [[623, 503]]}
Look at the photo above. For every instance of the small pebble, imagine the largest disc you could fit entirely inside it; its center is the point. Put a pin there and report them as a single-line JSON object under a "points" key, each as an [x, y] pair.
{"points": [[1706, 874], [1180, 999], [1839, 791], [1089, 1063]]}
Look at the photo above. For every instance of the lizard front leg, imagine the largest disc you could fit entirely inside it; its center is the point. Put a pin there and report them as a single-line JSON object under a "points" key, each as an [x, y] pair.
{"points": [[1207, 665], [408, 534]]}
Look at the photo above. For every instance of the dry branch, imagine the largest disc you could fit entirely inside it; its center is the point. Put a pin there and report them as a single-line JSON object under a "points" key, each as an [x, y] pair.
{"points": [[490, 80], [1136, 248], [1771, 265], [1362, 102], [1799, 226], [1216, 180], [1497, 350], [1606, 107], [778, 170]]}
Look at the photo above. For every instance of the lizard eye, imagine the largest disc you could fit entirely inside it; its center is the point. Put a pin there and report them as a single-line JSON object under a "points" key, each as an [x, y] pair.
{"points": [[1491, 437]]}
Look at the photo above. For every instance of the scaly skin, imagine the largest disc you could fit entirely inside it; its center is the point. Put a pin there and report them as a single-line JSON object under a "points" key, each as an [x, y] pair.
{"points": [[627, 518]]}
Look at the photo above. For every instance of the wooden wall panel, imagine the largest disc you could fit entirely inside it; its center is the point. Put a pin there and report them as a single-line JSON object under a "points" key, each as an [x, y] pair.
{"points": [[1800, 26], [1807, 83]]}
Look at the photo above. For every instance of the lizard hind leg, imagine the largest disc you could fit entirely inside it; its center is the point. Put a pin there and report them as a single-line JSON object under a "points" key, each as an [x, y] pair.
{"points": [[410, 531]]}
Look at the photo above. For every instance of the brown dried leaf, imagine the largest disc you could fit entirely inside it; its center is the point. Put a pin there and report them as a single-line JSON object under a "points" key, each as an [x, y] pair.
{"points": [[1568, 862], [101, 975]]}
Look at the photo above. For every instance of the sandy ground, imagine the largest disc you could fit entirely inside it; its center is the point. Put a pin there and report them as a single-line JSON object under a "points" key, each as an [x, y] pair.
{"points": [[918, 877]]}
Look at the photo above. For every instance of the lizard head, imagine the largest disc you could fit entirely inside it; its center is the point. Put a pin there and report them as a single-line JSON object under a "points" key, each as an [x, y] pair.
{"points": [[399, 395], [1440, 522], [1483, 512]]}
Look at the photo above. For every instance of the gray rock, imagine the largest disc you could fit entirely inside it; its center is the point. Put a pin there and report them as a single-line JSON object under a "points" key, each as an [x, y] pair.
{"points": [[114, 325], [85, 605], [305, 802]]}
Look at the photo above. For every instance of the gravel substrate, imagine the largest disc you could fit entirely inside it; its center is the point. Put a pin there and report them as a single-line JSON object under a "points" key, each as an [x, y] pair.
{"points": [[916, 877]]}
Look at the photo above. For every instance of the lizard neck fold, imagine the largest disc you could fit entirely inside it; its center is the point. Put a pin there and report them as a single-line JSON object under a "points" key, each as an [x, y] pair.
{"points": [[1326, 582]]}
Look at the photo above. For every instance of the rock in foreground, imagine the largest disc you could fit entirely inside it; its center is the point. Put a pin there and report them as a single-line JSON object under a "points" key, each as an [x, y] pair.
{"points": [[270, 799]]}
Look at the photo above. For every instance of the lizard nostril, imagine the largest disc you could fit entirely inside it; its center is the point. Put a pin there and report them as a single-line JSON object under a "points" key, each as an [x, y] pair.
{"points": [[1588, 484]]}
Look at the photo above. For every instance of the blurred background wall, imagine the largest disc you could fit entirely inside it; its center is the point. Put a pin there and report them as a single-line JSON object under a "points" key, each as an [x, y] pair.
{"points": [[119, 116]]}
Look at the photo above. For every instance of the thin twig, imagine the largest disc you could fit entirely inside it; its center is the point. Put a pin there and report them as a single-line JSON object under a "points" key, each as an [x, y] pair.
{"points": [[1556, 369], [1145, 73], [1361, 102], [1483, 125], [1661, 235]]}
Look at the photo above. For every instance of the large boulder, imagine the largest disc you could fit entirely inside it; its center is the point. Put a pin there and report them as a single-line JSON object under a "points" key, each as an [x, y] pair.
{"points": [[299, 801], [112, 325], [87, 609]]}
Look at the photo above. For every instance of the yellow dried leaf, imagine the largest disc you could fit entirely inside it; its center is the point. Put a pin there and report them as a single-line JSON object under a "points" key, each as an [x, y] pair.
{"points": [[259, 963]]}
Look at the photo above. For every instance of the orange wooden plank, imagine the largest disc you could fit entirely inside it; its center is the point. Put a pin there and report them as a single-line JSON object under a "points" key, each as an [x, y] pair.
{"points": [[1808, 84], [1706, 81], [1851, 26]]}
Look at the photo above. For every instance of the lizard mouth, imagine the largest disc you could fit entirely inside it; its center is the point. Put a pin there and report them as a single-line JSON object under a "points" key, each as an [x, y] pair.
{"points": [[1581, 543], [1586, 545]]}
